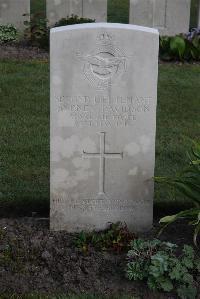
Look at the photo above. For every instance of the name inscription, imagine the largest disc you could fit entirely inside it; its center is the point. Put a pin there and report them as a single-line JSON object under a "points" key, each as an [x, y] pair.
{"points": [[99, 111]]}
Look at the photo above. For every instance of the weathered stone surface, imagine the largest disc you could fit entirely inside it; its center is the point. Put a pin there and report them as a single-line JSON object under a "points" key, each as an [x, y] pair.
{"points": [[12, 11], [58, 9], [93, 9], [170, 17], [103, 122]]}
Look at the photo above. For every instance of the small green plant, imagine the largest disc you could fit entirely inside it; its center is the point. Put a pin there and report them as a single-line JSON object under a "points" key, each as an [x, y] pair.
{"points": [[36, 31], [72, 20], [181, 47], [116, 238], [157, 263], [8, 33], [187, 182]]}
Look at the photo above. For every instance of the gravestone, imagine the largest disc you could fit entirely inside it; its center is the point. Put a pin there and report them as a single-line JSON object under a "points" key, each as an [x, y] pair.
{"points": [[11, 12], [93, 9], [170, 17], [103, 122], [58, 9]]}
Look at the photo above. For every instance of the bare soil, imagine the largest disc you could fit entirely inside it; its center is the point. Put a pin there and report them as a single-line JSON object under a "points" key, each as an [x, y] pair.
{"points": [[35, 259], [21, 51]]}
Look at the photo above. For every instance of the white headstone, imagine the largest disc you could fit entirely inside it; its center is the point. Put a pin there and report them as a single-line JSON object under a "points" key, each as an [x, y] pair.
{"points": [[170, 17], [58, 9], [93, 9], [103, 122], [12, 11]]}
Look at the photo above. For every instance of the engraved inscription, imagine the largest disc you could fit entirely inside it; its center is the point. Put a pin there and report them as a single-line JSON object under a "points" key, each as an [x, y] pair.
{"points": [[104, 63], [102, 156], [104, 111], [108, 205]]}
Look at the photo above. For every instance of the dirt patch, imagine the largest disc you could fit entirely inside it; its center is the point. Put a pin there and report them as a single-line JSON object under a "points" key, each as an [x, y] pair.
{"points": [[22, 52], [34, 259]]}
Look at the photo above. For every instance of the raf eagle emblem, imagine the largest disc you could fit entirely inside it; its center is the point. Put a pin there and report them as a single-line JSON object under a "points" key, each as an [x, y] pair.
{"points": [[104, 64]]}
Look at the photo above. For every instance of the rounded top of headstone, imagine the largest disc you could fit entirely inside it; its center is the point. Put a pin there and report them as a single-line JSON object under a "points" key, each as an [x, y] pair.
{"points": [[105, 25]]}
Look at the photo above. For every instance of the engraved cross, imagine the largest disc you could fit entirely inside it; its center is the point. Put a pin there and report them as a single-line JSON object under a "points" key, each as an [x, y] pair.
{"points": [[102, 156]]}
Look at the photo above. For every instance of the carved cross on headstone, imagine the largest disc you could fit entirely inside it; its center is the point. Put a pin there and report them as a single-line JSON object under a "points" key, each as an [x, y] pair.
{"points": [[102, 156]]}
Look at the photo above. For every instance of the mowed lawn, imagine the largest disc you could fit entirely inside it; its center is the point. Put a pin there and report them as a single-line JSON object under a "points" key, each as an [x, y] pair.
{"points": [[24, 131]]}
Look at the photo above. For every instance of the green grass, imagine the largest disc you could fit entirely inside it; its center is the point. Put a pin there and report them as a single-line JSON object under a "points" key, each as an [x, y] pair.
{"points": [[194, 13], [38, 6], [178, 121], [24, 131], [118, 11]]}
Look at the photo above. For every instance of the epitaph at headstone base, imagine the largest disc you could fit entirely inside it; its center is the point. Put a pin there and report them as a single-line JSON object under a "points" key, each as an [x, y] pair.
{"points": [[103, 121]]}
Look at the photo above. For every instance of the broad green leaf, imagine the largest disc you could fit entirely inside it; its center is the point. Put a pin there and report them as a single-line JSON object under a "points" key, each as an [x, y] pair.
{"points": [[196, 232], [189, 292], [168, 219], [177, 46], [167, 285]]}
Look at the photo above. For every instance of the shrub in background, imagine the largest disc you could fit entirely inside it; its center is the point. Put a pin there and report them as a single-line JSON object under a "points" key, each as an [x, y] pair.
{"points": [[8, 33], [157, 263], [37, 32], [181, 47], [72, 20]]}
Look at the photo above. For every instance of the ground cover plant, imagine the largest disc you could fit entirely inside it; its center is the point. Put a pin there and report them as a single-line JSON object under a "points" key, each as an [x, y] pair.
{"points": [[157, 263], [114, 239], [183, 47], [8, 33]]}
